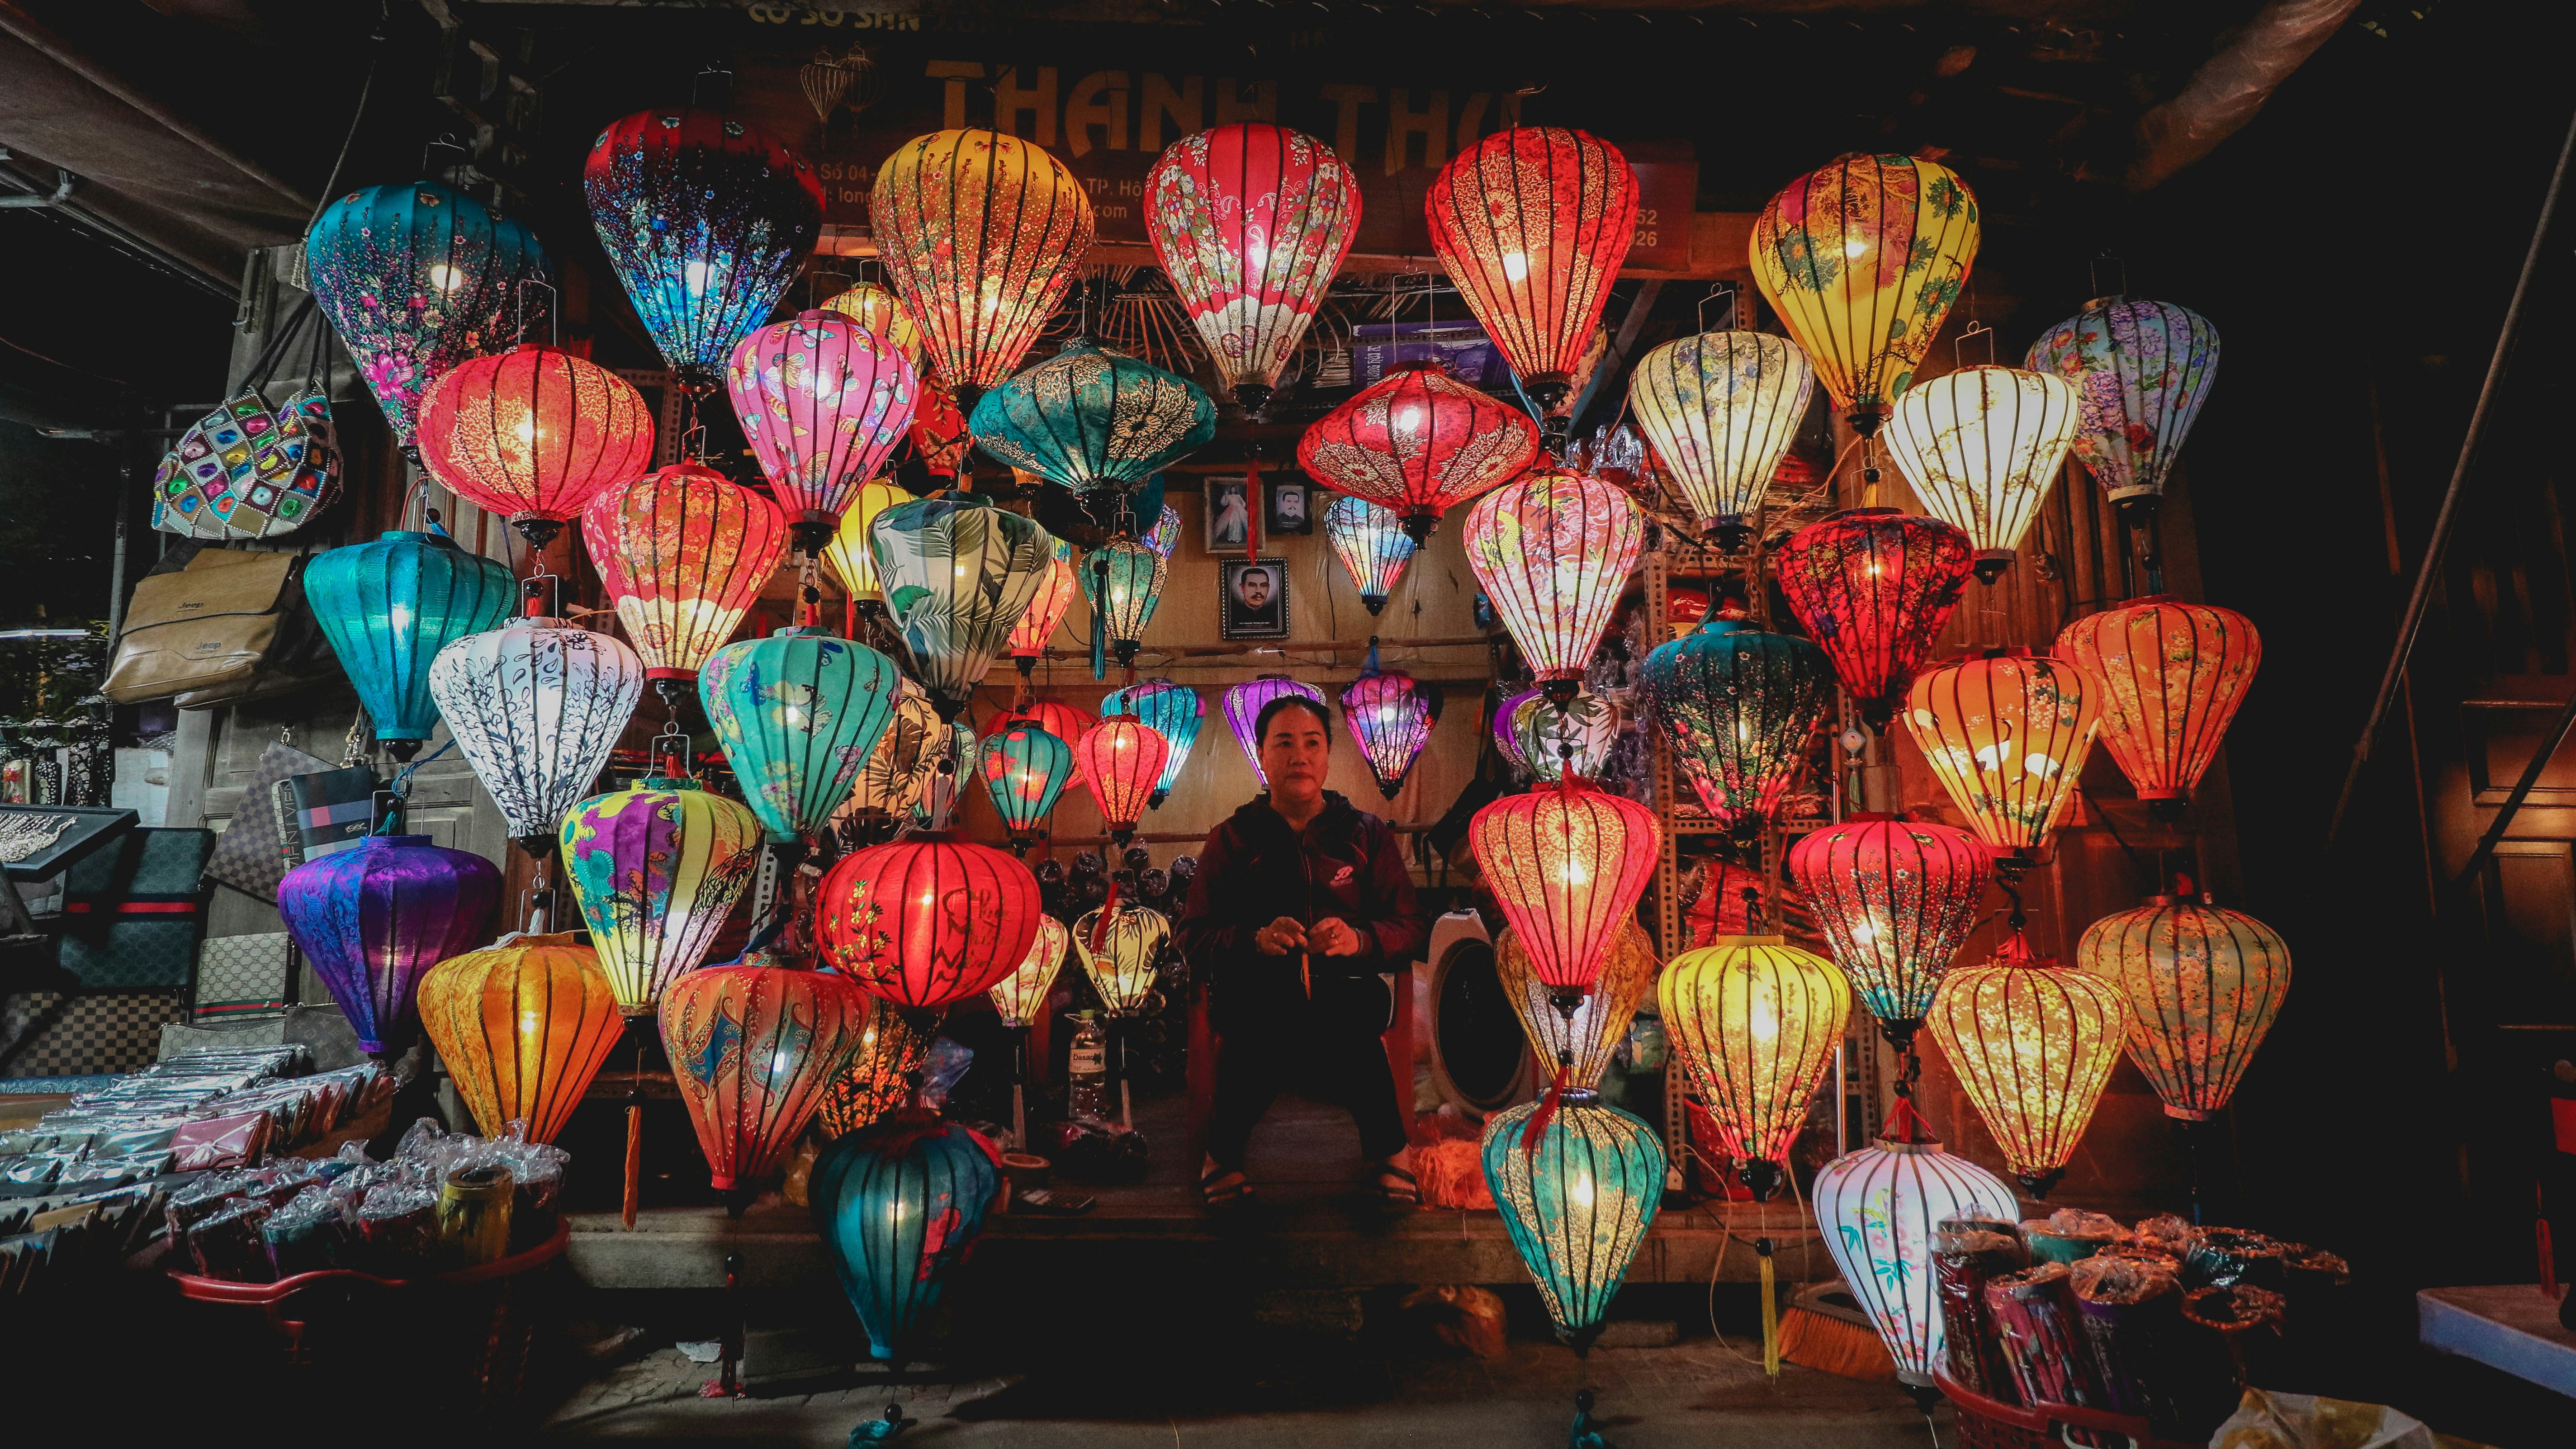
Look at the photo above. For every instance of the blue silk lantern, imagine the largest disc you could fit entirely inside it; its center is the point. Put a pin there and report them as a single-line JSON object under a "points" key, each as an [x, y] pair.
{"points": [[1173, 710], [797, 715], [1092, 418], [1738, 705], [374, 920], [1578, 1189], [388, 607], [1025, 768], [417, 278], [897, 1206]]}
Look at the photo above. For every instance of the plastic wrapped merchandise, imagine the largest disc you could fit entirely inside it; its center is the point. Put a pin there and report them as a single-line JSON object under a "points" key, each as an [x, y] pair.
{"points": [[2070, 1234], [2130, 1310], [398, 1230], [2236, 1330], [2033, 1316], [2225, 1257], [34, 1175], [2167, 1234], [228, 1245], [1967, 1253], [204, 1198], [536, 1173], [213, 1142], [474, 1215], [305, 1235]]}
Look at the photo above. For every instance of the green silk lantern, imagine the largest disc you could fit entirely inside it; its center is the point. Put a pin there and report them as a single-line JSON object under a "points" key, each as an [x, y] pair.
{"points": [[957, 574], [1025, 768], [1123, 579], [388, 607], [1737, 705], [797, 715], [1091, 418], [1578, 1185]]}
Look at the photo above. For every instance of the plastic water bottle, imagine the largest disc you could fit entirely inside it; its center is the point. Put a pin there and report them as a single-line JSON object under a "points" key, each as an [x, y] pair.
{"points": [[1087, 1068]]}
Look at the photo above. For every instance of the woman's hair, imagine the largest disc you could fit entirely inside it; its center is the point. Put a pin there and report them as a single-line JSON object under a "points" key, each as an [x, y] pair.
{"points": [[1270, 711]]}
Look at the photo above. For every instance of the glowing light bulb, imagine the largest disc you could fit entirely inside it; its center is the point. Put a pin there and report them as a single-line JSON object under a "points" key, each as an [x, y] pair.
{"points": [[1854, 247], [695, 276], [1516, 267], [446, 278], [1409, 421]]}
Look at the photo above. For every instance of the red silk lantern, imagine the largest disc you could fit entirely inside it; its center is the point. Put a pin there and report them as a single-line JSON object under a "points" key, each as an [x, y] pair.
{"points": [[1896, 899], [1553, 551], [1567, 865], [683, 552], [2006, 732], [1120, 760], [752, 1050], [928, 919], [1532, 223], [823, 402], [1418, 443], [534, 434], [2173, 675], [939, 432], [1873, 587]]}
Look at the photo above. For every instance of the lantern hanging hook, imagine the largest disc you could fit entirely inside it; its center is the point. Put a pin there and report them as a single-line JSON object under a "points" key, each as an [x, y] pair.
{"points": [[1959, 344], [443, 141], [698, 83], [2119, 267], [554, 311], [1734, 303]]}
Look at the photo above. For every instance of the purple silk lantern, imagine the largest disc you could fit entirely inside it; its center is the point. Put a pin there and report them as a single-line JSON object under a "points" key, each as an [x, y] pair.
{"points": [[374, 920]]}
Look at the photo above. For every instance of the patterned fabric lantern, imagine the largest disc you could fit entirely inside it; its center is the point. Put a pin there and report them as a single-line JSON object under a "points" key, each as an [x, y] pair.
{"points": [[928, 919], [1122, 955], [416, 278], [1586, 1041], [1055, 595], [1873, 587], [938, 800], [1757, 1021], [901, 764], [2141, 371], [388, 607], [1722, 409], [1566, 863], [2203, 985], [823, 402], [2033, 1043], [939, 433], [374, 920], [797, 715], [1543, 738], [1895, 899], [1026, 768], [883, 1074], [534, 435], [683, 552], [1123, 580], [1020, 998], [706, 219], [1862, 260], [847, 552], [1165, 535], [957, 573], [1174, 712], [1121, 761], [2173, 676], [1553, 550], [752, 1049], [1738, 706], [1244, 704], [1067, 722], [655, 868], [1373, 547], [2006, 732], [1090, 418], [897, 1208], [522, 1028], [880, 311], [1877, 1209], [980, 234], [1418, 443], [1250, 221], [536, 706], [1577, 1199], [1982, 447], [1531, 224], [1389, 717]]}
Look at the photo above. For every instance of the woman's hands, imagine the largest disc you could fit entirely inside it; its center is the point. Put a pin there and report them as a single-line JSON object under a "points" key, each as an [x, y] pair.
{"points": [[1281, 936], [1331, 936]]}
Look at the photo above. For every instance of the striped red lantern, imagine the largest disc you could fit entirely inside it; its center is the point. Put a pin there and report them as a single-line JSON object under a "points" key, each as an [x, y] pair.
{"points": [[1567, 864], [928, 919], [1120, 760]]}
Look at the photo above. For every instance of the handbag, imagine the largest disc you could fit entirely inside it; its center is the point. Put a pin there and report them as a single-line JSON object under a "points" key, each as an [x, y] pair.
{"points": [[334, 810], [249, 856], [247, 470], [208, 625]]}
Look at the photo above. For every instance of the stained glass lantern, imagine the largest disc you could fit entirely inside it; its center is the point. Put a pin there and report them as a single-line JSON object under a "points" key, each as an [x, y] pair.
{"points": [[980, 234], [847, 552], [1566, 863], [706, 218], [1553, 550], [902, 762], [1055, 595], [1025, 768], [683, 552], [1165, 535], [752, 1048], [1123, 580], [2006, 733], [1174, 712], [1578, 1191], [2140, 371], [1372, 545], [1895, 899], [883, 1076], [958, 574], [416, 278], [823, 402], [374, 920], [1738, 707], [1873, 587], [1244, 704], [897, 1207], [1542, 738], [880, 311], [2203, 984], [2173, 675], [1121, 949], [1250, 221], [1089, 419], [1389, 717], [1877, 1209], [521, 1029], [797, 715], [2032, 1042], [1722, 409], [655, 869], [1020, 998], [536, 706], [1418, 443], [1121, 761], [1982, 447], [1531, 223], [1862, 259], [1586, 1041], [928, 919], [533, 435], [1757, 1021], [388, 607]]}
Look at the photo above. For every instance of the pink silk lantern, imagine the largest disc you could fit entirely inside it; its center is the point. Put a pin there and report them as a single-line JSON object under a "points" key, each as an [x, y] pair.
{"points": [[683, 552], [823, 402], [1567, 864], [1553, 551]]}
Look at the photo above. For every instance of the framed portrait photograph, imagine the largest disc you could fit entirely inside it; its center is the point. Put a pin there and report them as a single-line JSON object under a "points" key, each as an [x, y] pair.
{"points": [[1229, 512], [1252, 598], [1290, 508]]}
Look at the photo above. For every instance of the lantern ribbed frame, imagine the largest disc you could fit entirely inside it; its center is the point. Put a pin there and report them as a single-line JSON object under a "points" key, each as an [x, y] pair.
{"points": [[2141, 371], [880, 311], [1418, 443], [1721, 410], [1067, 722], [980, 234], [1577, 1202], [1738, 706], [1895, 900], [533, 434], [655, 869], [847, 553], [1553, 551], [1757, 1021], [900, 766], [1389, 718], [1021, 997], [823, 402], [1531, 224], [878, 1080], [390, 606], [1123, 581], [1174, 711], [2033, 1043], [896, 1210], [1249, 222], [752, 1049], [928, 919], [1567, 863], [1372, 545], [1025, 768], [536, 707], [1586, 1041], [1873, 587], [374, 920], [1124, 958], [522, 1028], [1121, 760], [1531, 729], [2173, 676], [1982, 446], [2203, 983], [958, 574], [1055, 595], [2006, 734], [683, 553], [1090, 419], [1877, 1209], [797, 715], [1243, 706]]}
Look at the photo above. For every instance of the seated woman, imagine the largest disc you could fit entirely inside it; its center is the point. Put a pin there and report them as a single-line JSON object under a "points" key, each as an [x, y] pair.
{"points": [[1300, 901]]}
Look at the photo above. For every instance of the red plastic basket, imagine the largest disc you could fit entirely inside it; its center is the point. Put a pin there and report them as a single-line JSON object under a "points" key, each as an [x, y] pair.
{"points": [[1986, 1424]]}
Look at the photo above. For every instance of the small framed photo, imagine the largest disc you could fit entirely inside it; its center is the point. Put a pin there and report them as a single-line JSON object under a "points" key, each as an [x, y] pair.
{"points": [[1252, 598], [1229, 512], [1288, 508]]}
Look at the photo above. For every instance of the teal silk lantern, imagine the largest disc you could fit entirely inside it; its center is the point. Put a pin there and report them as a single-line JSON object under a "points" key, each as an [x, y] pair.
{"points": [[1092, 418], [898, 1205], [798, 714], [1172, 710], [957, 574], [1738, 705], [1025, 768], [388, 607], [1578, 1189], [1123, 579]]}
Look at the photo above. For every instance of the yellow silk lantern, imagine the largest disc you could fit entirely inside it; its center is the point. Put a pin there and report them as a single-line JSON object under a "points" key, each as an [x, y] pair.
{"points": [[2006, 731], [847, 551], [2033, 1042], [1122, 956], [1722, 409], [1757, 1021], [981, 234], [1982, 446], [523, 1028], [1019, 997], [880, 311], [1584, 1042]]}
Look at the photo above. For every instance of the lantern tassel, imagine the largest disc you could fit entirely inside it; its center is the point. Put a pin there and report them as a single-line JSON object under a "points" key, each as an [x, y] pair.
{"points": [[1535, 1129], [1100, 926], [634, 1198], [1099, 644], [1770, 1311]]}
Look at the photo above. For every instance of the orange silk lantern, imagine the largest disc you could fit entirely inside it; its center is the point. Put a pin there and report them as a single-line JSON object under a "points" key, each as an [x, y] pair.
{"points": [[980, 234], [2203, 983], [2033, 1042], [1567, 863], [1757, 1021], [1028, 641], [1418, 443], [2172, 674], [534, 435], [522, 1028], [752, 1050], [1553, 551], [683, 552], [2006, 731], [1120, 761]]}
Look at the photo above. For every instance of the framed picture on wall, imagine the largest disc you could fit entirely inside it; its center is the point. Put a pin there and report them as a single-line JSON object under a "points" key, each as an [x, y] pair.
{"points": [[1289, 509], [1229, 512], [1252, 598]]}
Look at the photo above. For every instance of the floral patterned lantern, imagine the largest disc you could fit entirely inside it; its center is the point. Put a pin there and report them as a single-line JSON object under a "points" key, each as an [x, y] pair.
{"points": [[928, 919], [1877, 1209], [1982, 447], [1418, 443], [374, 920], [1738, 707], [1757, 1021], [823, 402], [1250, 221], [980, 234], [534, 435], [938, 800], [1553, 550], [1121, 761], [1862, 259], [1026, 768], [900, 766], [752, 1048], [417, 278], [389, 607], [2033, 1044], [2173, 676], [797, 715], [897, 1206], [1028, 641], [2006, 732], [705, 218], [1567, 863], [1020, 998], [536, 707], [655, 868], [1546, 739], [957, 573], [847, 552], [1089, 419], [939, 435], [1873, 587], [1123, 580], [1244, 704], [2203, 984], [880, 311], [883, 1075], [1722, 409], [1895, 898], [1174, 712], [1585, 1041], [1389, 717], [521, 1029], [1578, 1189], [1121, 948], [1372, 544], [683, 552], [2141, 371]]}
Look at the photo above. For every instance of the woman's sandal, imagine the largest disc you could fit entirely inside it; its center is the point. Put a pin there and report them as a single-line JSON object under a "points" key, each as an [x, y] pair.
{"points": [[1394, 1194], [1225, 1189]]}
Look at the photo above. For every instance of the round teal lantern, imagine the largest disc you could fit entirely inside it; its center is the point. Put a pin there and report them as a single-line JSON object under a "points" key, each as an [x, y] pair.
{"points": [[1737, 705], [1123, 579], [388, 607], [1091, 418], [1025, 767], [797, 715], [1577, 1197], [1173, 710], [898, 1206]]}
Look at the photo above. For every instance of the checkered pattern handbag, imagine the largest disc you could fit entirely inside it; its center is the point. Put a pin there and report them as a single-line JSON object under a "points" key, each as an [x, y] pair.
{"points": [[242, 976], [78, 1034]]}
